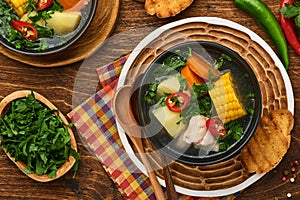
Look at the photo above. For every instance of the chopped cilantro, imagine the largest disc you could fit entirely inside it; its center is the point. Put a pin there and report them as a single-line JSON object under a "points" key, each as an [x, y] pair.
{"points": [[290, 11], [36, 135]]}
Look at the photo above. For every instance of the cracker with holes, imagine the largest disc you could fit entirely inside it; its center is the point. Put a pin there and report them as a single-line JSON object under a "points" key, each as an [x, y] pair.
{"points": [[269, 143], [166, 8]]}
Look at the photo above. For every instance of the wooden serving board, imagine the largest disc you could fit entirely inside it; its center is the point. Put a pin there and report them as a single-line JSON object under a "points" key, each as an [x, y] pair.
{"points": [[99, 30]]}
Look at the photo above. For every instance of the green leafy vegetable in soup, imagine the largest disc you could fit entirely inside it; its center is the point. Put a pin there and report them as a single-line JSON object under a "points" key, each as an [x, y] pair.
{"points": [[35, 135], [36, 25], [203, 122]]}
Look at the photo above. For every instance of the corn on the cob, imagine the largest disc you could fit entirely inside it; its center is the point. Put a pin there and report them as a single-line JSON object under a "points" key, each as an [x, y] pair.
{"points": [[17, 5], [225, 99]]}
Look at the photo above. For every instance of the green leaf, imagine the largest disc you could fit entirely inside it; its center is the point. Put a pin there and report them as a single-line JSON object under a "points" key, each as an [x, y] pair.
{"points": [[297, 21], [77, 157], [289, 10], [35, 135]]}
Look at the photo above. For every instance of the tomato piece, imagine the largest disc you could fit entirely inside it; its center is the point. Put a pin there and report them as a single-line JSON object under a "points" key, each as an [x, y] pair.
{"points": [[215, 127], [177, 101], [43, 4], [28, 31]]}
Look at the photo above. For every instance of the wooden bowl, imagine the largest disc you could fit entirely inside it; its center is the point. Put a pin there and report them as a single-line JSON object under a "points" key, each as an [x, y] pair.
{"points": [[5, 106]]}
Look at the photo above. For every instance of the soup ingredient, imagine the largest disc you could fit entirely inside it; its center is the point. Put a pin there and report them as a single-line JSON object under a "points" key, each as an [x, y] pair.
{"points": [[275, 127], [216, 127], [219, 62], [198, 134], [225, 99], [79, 6], [67, 4], [190, 76], [168, 85], [35, 135], [287, 11], [58, 22], [28, 31], [18, 6], [265, 17], [200, 103], [150, 96], [202, 67], [169, 120], [178, 101], [196, 130], [26, 18], [43, 4], [234, 132]]}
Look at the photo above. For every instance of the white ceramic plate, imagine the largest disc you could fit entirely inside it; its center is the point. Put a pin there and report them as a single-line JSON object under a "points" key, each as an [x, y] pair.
{"points": [[215, 21]]}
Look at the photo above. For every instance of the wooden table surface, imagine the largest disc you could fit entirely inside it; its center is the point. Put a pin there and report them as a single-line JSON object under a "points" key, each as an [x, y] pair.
{"points": [[67, 86]]}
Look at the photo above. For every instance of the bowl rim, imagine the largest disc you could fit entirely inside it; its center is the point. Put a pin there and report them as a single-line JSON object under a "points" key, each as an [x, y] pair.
{"points": [[56, 49], [219, 156]]}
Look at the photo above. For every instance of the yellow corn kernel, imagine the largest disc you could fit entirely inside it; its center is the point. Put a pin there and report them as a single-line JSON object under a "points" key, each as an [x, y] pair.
{"points": [[20, 11], [225, 99], [18, 3], [18, 6]]}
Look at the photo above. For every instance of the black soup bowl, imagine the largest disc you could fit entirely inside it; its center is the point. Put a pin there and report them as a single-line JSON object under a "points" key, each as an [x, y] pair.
{"points": [[62, 36], [174, 133]]}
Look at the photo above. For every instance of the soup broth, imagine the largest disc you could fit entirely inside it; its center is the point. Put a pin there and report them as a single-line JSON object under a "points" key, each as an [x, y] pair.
{"points": [[244, 86], [47, 44]]}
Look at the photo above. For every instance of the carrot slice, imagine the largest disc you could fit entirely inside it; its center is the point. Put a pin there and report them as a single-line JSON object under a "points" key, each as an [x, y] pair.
{"points": [[67, 4], [190, 76], [201, 67]]}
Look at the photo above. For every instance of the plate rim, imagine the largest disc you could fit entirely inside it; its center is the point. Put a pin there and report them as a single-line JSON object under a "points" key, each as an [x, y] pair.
{"points": [[216, 21]]}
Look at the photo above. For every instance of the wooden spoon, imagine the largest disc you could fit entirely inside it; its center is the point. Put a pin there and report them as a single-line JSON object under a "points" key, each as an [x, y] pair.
{"points": [[171, 192], [5, 106], [121, 107]]}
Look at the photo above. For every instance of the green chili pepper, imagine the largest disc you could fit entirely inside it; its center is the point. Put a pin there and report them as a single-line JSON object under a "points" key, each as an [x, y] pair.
{"points": [[266, 19]]}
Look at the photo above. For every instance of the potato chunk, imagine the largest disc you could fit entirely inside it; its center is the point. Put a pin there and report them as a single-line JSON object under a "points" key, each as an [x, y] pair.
{"points": [[169, 120], [64, 22], [168, 86]]}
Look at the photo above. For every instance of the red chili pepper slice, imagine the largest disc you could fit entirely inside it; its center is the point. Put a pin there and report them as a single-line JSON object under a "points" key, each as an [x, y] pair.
{"points": [[216, 127], [177, 101], [288, 27], [28, 31], [43, 4]]}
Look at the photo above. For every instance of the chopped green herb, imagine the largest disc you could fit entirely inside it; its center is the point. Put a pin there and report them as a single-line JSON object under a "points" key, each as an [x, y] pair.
{"points": [[234, 133], [218, 63], [290, 11], [250, 95], [36, 135], [251, 108]]}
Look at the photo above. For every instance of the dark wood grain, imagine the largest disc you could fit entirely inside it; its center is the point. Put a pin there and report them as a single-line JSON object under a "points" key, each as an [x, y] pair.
{"points": [[69, 85]]}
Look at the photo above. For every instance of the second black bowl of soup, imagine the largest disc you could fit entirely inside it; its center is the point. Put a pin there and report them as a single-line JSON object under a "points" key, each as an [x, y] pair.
{"points": [[198, 113], [41, 28]]}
